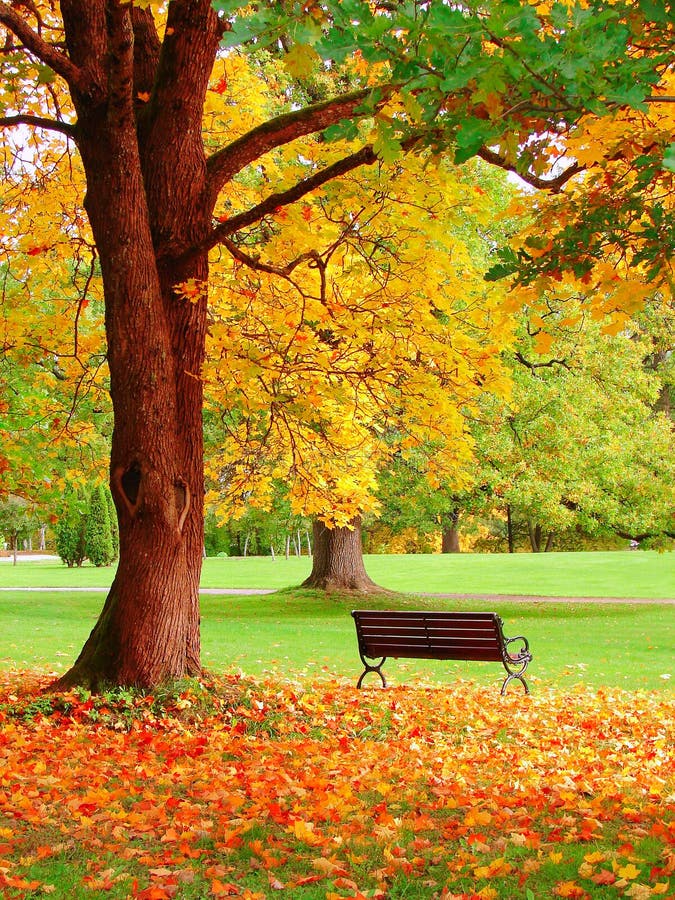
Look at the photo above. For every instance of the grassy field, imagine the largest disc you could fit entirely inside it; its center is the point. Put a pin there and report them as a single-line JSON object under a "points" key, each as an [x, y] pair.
{"points": [[613, 574], [297, 632]]}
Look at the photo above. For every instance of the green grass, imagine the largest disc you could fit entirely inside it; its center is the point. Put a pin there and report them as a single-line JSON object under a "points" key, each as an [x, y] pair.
{"points": [[298, 632], [608, 574]]}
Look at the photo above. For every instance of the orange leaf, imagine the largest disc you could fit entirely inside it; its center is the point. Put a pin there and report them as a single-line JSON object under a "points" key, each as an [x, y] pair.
{"points": [[569, 889], [223, 889]]}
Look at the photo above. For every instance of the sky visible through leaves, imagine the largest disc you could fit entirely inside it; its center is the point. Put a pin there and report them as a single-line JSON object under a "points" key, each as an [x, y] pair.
{"points": [[265, 788]]}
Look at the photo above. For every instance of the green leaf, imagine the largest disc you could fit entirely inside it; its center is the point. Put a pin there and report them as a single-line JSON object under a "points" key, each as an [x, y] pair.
{"points": [[630, 95], [471, 136], [228, 7], [669, 158], [45, 75], [507, 265], [654, 10], [344, 130], [386, 145], [412, 107]]}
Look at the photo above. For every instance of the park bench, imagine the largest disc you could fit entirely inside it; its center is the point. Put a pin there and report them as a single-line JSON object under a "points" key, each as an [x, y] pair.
{"points": [[437, 635]]}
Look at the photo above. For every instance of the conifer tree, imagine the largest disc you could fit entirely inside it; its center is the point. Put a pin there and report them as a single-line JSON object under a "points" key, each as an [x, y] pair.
{"points": [[98, 535]]}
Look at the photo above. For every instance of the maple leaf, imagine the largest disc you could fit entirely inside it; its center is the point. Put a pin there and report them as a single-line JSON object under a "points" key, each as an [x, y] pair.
{"points": [[629, 871], [223, 889], [569, 889], [304, 831], [604, 877]]}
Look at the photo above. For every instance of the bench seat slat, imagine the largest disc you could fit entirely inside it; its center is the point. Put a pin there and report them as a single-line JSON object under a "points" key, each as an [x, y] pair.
{"points": [[431, 634], [420, 640], [421, 651], [387, 618]]}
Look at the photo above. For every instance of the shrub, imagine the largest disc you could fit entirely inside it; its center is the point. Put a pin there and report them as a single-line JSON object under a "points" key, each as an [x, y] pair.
{"points": [[69, 532], [98, 536]]}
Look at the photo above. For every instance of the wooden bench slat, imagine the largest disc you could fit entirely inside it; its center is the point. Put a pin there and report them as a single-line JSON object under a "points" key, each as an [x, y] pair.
{"points": [[391, 616], [431, 634], [422, 651]]}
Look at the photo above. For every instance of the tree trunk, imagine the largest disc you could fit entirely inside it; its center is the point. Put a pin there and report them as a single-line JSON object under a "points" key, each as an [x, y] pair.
{"points": [[145, 201], [450, 533], [337, 563], [509, 530], [535, 536]]}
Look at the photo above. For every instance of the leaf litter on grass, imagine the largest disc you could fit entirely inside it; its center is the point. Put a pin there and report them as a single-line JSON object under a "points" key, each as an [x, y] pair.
{"points": [[257, 788]]}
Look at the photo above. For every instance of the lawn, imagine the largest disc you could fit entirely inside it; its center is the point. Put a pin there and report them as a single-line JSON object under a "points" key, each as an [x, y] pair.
{"points": [[611, 574], [296, 632]]}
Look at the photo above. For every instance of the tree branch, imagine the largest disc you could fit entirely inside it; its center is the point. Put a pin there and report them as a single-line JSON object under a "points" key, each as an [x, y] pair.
{"points": [[225, 163], [554, 184], [254, 263], [39, 122], [542, 365], [181, 75], [38, 47], [573, 506], [364, 157]]}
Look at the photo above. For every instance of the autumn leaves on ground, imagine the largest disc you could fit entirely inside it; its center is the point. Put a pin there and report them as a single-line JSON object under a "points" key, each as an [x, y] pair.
{"points": [[258, 789]]}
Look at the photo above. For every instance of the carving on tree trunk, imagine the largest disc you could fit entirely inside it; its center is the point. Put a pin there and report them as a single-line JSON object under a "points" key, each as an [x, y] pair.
{"points": [[182, 499], [129, 486]]}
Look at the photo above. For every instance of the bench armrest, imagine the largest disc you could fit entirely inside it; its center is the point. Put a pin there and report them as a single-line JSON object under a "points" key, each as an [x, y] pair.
{"points": [[524, 650]]}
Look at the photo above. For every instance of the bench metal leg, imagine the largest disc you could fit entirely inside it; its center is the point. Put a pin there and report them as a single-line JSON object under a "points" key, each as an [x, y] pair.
{"points": [[515, 664], [376, 668], [509, 678]]}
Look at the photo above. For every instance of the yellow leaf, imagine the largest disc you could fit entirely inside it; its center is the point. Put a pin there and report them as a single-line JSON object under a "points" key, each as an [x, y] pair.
{"points": [[304, 831], [301, 60], [630, 871]]}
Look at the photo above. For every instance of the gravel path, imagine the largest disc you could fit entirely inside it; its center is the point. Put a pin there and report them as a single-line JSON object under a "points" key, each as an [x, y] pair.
{"points": [[529, 598]]}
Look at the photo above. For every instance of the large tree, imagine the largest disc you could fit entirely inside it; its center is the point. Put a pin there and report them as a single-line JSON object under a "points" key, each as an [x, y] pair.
{"points": [[384, 338], [126, 84]]}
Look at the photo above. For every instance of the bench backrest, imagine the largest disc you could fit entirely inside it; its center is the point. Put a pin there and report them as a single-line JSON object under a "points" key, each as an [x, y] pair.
{"points": [[429, 635]]}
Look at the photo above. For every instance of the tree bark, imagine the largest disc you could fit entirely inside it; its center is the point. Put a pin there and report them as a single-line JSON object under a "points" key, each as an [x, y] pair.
{"points": [[450, 533], [145, 198], [509, 530], [337, 563], [534, 532]]}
